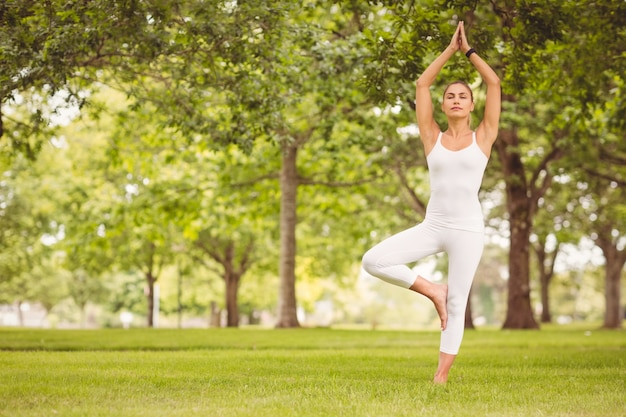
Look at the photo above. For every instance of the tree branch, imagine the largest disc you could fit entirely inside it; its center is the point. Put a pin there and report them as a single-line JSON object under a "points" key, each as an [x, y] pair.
{"points": [[255, 180], [335, 184], [607, 177], [414, 201], [537, 191], [208, 266], [612, 158]]}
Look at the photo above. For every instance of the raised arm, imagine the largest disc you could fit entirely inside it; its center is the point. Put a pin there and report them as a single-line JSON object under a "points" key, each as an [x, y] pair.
{"points": [[423, 102], [487, 130]]}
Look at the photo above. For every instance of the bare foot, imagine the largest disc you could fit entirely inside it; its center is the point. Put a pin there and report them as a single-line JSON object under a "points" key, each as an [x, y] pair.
{"points": [[443, 368], [437, 293], [440, 380], [440, 299]]}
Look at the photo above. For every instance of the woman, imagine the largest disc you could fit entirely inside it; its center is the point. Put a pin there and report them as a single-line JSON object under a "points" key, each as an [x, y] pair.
{"points": [[456, 159]]}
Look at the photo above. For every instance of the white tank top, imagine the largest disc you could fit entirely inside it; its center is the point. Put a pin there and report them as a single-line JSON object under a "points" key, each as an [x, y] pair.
{"points": [[455, 178]]}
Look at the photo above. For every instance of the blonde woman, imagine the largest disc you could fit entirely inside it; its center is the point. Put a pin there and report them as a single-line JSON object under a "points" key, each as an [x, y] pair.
{"points": [[457, 158]]}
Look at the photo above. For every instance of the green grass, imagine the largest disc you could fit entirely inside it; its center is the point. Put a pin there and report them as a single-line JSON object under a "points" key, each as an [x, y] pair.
{"points": [[309, 372]]}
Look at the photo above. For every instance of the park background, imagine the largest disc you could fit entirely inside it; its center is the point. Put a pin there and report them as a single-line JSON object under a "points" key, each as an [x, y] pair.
{"points": [[227, 163]]}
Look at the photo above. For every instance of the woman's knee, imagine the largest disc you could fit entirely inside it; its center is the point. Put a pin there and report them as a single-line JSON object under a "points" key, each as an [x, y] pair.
{"points": [[369, 262], [456, 305]]}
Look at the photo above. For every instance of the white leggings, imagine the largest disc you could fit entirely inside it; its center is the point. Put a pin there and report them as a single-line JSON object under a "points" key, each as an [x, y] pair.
{"points": [[388, 261]]}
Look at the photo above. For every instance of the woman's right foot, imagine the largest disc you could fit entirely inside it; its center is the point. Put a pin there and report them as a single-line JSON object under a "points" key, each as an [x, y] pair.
{"points": [[437, 293], [440, 300]]}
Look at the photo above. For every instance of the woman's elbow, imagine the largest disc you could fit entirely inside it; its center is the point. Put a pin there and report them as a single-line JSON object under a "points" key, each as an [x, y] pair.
{"points": [[421, 83]]}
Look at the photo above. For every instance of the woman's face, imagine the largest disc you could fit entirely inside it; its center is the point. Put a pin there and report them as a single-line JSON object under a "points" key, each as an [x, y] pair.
{"points": [[457, 101]]}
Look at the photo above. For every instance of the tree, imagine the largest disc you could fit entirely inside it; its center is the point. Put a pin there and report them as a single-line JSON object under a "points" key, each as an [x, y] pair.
{"points": [[607, 179], [82, 211], [603, 214], [611, 241], [142, 232], [552, 228], [311, 80], [28, 201], [51, 53], [203, 200], [235, 257], [546, 260], [295, 91], [563, 34]]}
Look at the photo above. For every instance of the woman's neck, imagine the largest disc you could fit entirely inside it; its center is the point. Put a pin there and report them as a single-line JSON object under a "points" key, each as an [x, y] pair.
{"points": [[457, 128]]}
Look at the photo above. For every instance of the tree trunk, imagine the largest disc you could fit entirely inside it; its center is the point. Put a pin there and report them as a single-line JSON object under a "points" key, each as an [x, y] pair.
{"points": [[83, 315], [150, 279], [20, 314], [615, 260], [546, 316], [545, 265], [614, 313], [232, 305], [231, 280], [216, 315], [469, 323], [287, 311], [544, 280], [234, 266], [179, 297], [519, 312]]}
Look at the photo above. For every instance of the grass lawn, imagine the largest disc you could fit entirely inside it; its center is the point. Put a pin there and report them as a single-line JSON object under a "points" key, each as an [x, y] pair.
{"points": [[558, 371]]}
